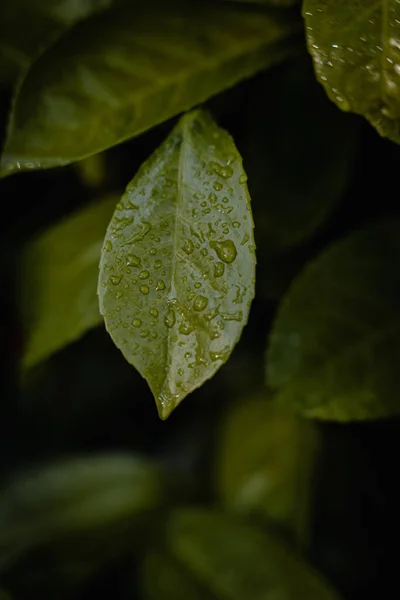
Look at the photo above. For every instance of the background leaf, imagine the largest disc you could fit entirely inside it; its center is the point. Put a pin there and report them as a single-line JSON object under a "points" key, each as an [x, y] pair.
{"points": [[299, 154], [356, 52], [59, 281], [265, 460], [239, 562], [337, 331], [122, 72], [178, 264], [27, 28]]}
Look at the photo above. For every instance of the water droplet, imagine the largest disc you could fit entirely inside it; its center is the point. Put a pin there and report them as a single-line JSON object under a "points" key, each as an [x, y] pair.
{"points": [[115, 279], [203, 204], [225, 200], [180, 372], [108, 246], [186, 328], [219, 269], [200, 303], [222, 171], [133, 261], [218, 186], [144, 275], [158, 264], [197, 285], [154, 312], [204, 251], [136, 322], [144, 333], [144, 289], [160, 285], [188, 247], [236, 224], [226, 251], [153, 251], [206, 211], [169, 318], [225, 231], [243, 178], [119, 294], [212, 198]]}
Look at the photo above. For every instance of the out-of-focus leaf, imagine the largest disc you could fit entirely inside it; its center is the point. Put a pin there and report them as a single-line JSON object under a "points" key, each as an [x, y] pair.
{"points": [[265, 461], [356, 52], [238, 562], [270, 2], [76, 497], [335, 342], [59, 281], [298, 161], [178, 264], [28, 27], [163, 578], [120, 73]]}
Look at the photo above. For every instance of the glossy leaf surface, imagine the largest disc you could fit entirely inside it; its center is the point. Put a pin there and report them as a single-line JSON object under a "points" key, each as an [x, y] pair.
{"points": [[120, 73], [264, 464], [28, 27], [356, 51], [239, 562], [335, 340], [59, 281], [178, 263]]}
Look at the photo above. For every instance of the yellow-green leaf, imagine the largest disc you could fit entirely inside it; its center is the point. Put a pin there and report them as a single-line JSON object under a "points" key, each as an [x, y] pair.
{"points": [[59, 281], [178, 264], [238, 562], [122, 72], [356, 52], [334, 347], [265, 460]]}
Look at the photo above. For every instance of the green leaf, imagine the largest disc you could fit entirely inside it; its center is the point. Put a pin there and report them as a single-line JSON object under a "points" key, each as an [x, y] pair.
{"points": [[238, 562], [120, 73], [178, 264], [163, 578], [264, 464], [77, 499], [59, 281], [356, 52], [335, 342], [27, 28], [300, 159]]}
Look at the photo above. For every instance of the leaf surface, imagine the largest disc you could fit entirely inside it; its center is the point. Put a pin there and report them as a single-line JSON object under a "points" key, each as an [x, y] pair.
{"points": [[239, 562], [356, 51], [27, 28], [59, 281], [334, 347], [265, 459], [122, 72], [178, 263]]}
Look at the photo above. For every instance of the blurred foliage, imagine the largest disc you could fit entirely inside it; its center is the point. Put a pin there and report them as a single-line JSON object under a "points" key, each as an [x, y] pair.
{"points": [[236, 496]]}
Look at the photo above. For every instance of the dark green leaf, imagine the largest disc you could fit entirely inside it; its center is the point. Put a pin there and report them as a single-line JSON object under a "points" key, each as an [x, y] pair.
{"points": [[76, 497], [238, 562], [120, 73], [298, 155], [163, 578], [356, 51], [335, 342], [27, 27], [265, 459], [178, 264], [59, 281]]}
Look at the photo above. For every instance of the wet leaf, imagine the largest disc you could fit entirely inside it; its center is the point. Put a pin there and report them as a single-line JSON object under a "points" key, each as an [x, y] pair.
{"points": [[264, 464], [59, 281], [120, 73], [333, 347], [27, 28], [356, 52], [238, 562], [299, 161], [178, 264], [163, 578], [79, 497]]}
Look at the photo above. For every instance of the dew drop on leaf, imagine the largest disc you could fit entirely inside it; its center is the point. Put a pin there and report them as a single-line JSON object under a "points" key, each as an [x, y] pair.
{"points": [[200, 303], [226, 251], [144, 289]]}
